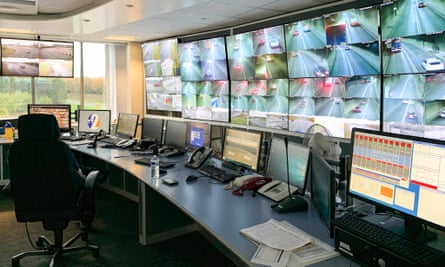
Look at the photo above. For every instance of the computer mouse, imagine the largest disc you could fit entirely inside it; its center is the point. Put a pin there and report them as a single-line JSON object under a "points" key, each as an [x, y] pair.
{"points": [[191, 178]]}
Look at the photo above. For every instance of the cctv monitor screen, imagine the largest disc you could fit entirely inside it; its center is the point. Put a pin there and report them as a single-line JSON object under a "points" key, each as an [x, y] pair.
{"points": [[152, 128], [298, 156], [399, 172], [94, 121], [175, 133], [37, 58], [242, 148], [126, 125], [62, 113]]}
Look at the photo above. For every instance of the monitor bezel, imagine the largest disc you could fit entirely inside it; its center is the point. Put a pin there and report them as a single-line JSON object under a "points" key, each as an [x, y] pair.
{"points": [[327, 222], [144, 124], [400, 213], [65, 106], [90, 111], [166, 140], [119, 119], [276, 138], [240, 164]]}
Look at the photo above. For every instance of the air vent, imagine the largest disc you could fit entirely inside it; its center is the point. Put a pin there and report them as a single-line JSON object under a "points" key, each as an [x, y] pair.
{"points": [[18, 7]]}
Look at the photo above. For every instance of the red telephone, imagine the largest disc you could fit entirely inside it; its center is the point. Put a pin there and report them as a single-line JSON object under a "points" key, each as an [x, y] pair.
{"points": [[252, 184]]}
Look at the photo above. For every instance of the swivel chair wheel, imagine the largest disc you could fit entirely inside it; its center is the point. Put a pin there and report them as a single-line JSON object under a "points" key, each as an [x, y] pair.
{"points": [[42, 242]]}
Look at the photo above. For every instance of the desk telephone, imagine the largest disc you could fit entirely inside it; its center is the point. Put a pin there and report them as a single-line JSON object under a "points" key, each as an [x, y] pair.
{"points": [[168, 151], [276, 190], [198, 157], [126, 143], [249, 182], [273, 189]]}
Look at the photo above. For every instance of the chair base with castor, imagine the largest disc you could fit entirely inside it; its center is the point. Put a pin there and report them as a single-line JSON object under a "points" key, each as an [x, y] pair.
{"points": [[57, 248]]}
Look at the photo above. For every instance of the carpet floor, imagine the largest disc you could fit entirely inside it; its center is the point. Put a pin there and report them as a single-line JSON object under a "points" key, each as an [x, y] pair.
{"points": [[115, 231]]}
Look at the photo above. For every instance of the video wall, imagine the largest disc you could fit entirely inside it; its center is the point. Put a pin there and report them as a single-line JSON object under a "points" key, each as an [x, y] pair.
{"points": [[205, 86], [36, 58], [162, 80], [413, 64], [334, 69]]}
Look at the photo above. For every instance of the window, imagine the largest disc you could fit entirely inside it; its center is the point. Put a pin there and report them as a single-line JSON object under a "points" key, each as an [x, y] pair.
{"points": [[15, 94]]}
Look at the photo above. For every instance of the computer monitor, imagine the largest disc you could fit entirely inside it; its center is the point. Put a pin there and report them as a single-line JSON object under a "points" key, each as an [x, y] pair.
{"points": [[127, 124], [298, 162], [198, 134], [404, 174], [62, 112], [323, 190], [152, 128], [175, 133], [93, 121], [242, 148]]}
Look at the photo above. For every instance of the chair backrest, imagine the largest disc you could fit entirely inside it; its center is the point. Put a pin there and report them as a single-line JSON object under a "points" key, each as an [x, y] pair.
{"points": [[45, 184]]}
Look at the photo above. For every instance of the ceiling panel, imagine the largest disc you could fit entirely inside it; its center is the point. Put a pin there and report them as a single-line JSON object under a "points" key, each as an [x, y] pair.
{"points": [[140, 20]]}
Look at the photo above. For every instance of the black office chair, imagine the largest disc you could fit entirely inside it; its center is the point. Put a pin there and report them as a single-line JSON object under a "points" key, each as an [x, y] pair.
{"points": [[46, 186]]}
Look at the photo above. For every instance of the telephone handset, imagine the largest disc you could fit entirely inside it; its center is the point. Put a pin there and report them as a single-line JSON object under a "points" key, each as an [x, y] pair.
{"points": [[198, 157], [276, 190], [251, 183]]}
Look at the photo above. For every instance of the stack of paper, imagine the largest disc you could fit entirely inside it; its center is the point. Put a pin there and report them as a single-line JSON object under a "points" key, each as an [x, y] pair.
{"points": [[282, 244]]}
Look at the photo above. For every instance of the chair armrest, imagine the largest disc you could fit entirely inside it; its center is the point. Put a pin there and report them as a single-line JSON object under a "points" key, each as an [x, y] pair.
{"points": [[90, 181], [86, 204]]}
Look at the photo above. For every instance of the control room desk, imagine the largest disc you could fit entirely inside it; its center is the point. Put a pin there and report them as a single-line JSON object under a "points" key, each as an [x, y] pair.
{"points": [[166, 211]]}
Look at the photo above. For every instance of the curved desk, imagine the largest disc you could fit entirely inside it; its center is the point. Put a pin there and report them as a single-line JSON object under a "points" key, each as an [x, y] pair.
{"points": [[166, 211]]}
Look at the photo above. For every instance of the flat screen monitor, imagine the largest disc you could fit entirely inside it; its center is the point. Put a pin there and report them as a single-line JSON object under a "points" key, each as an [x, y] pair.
{"points": [[62, 112], [94, 121], [323, 190], [298, 162], [152, 128], [404, 174], [242, 148], [127, 124], [198, 134], [37, 58], [175, 134]]}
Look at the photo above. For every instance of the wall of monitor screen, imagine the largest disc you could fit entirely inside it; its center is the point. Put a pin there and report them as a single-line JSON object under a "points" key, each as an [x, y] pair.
{"points": [[38, 58], [334, 69]]}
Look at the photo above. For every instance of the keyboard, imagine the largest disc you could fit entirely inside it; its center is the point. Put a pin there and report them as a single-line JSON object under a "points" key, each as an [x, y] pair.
{"points": [[147, 161], [217, 173], [418, 253], [72, 138]]}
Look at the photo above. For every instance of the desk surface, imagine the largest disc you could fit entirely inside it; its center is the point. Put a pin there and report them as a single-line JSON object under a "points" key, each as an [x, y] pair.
{"points": [[215, 209]]}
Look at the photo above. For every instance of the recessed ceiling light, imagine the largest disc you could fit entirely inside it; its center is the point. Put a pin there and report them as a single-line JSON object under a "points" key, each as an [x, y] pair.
{"points": [[126, 38], [129, 5], [86, 20], [8, 8]]}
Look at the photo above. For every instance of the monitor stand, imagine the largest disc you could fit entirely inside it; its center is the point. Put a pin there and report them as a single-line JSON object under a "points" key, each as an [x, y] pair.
{"points": [[417, 231]]}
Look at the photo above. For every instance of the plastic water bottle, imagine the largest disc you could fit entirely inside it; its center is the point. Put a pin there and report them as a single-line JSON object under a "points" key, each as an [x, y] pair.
{"points": [[154, 167], [8, 130]]}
